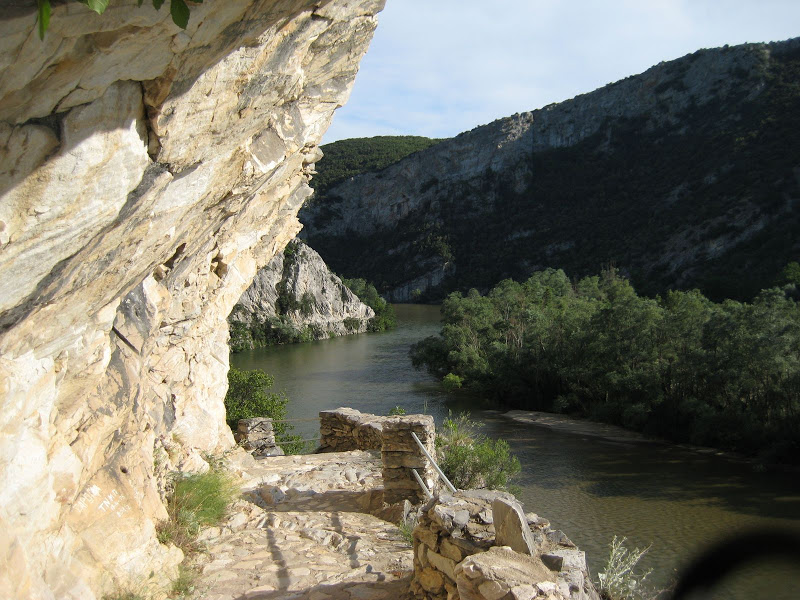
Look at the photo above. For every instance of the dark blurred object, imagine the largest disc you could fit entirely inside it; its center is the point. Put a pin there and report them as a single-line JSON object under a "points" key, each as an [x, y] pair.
{"points": [[725, 557]]}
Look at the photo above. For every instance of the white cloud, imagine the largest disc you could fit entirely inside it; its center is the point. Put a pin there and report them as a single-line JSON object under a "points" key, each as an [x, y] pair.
{"points": [[440, 67]]}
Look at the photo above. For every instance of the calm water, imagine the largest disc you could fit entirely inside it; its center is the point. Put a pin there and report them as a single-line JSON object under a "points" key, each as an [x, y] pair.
{"points": [[672, 499]]}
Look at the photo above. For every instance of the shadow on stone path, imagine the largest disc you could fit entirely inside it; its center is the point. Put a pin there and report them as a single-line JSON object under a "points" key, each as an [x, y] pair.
{"points": [[301, 533]]}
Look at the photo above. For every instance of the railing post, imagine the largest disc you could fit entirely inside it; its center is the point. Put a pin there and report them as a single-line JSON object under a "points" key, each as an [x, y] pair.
{"points": [[401, 453]]}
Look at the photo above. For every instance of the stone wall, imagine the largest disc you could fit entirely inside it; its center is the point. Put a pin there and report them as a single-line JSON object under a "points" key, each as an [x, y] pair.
{"points": [[400, 454], [146, 174], [479, 545], [348, 429], [257, 437]]}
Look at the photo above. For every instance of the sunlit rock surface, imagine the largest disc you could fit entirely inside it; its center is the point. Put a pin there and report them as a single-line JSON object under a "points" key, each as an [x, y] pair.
{"points": [[324, 306], [146, 174]]}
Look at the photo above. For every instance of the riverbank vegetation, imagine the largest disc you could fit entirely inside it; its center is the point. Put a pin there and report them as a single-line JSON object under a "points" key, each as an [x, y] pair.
{"points": [[249, 396], [385, 317], [678, 366], [471, 460]]}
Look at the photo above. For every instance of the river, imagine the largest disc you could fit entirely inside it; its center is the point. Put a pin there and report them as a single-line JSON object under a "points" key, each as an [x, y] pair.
{"points": [[671, 499]]}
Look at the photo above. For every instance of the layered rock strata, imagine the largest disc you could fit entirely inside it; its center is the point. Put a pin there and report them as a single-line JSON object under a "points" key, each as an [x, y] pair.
{"points": [[297, 287], [146, 174]]}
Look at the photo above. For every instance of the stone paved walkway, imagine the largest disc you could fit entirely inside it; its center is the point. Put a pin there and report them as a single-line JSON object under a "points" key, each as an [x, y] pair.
{"points": [[302, 533]]}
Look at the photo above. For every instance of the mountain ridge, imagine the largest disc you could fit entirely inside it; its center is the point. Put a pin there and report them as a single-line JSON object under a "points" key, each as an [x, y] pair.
{"points": [[687, 141]]}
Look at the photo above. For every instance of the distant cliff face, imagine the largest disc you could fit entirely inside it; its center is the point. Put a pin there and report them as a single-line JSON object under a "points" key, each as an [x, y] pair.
{"points": [[682, 176], [146, 173], [296, 289]]}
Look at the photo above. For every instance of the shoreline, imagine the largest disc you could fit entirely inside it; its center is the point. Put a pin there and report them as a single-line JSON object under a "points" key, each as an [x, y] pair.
{"points": [[617, 434]]}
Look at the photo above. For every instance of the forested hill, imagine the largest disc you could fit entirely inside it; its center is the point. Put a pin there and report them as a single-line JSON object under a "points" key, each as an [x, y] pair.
{"points": [[685, 176], [347, 158]]}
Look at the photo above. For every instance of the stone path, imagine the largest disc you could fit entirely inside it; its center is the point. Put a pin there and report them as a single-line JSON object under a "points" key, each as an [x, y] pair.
{"points": [[302, 532]]}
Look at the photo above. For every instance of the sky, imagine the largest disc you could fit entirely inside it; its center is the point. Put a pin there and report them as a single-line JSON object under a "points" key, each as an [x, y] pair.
{"points": [[439, 67]]}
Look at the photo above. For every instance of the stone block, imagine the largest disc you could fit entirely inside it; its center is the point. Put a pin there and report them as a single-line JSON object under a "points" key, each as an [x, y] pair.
{"points": [[448, 549], [565, 560], [442, 564], [427, 537], [511, 527], [431, 580]]}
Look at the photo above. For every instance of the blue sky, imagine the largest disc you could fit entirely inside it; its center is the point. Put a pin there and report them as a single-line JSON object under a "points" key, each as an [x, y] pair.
{"points": [[439, 67]]}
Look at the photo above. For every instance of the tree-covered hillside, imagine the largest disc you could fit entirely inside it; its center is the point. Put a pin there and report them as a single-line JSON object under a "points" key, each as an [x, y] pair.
{"points": [[347, 158], [699, 190]]}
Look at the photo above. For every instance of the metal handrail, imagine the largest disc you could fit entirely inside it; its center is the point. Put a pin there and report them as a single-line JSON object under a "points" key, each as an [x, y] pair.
{"points": [[442, 476], [421, 483]]}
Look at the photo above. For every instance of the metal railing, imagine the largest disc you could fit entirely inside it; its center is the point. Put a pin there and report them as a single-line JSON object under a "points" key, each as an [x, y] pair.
{"points": [[442, 476]]}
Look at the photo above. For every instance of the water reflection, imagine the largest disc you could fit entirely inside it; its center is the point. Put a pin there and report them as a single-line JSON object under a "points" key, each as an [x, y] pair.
{"points": [[676, 500]]}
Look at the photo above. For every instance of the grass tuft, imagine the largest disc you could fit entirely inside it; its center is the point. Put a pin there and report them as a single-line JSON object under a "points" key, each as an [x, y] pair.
{"points": [[197, 500]]}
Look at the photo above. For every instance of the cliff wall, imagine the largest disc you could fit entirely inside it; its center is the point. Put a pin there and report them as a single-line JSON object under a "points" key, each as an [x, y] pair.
{"points": [[146, 174], [672, 175], [297, 289]]}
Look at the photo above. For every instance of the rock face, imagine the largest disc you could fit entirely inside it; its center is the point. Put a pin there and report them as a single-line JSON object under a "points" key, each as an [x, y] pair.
{"points": [[661, 173], [297, 286], [146, 174]]}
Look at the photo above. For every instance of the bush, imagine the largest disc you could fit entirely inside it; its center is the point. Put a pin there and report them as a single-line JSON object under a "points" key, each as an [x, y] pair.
{"points": [[470, 460], [452, 382], [620, 580], [397, 411], [248, 396], [197, 500]]}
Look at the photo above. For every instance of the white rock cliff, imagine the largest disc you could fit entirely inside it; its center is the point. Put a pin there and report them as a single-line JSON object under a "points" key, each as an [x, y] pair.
{"points": [[324, 305], [146, 173]]}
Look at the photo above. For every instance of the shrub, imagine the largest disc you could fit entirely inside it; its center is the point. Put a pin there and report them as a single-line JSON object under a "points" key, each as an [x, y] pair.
{"points": [[452, 382], [197, 500], [470, 460], [620, 579], [397, 411], [248, 396]]}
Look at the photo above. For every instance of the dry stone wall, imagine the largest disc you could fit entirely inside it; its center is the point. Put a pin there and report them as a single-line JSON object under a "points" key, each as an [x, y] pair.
{"points": [[479, 545], [348, 429], [146, 174], [257, 437]]}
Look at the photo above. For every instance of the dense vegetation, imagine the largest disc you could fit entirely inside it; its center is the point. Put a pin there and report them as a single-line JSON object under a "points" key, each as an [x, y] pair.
{"points": [[249, 396], [678, 366], [385, 317], [700, 197], [347, 158]]}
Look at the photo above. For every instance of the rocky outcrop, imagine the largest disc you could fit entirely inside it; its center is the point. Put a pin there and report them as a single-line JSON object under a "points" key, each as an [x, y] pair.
{"points": [[479, 545], [146, 174], [297, 289], [643, 173]]}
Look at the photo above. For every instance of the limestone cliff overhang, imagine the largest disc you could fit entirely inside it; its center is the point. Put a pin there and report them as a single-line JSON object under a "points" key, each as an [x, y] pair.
{"points": [[146, 173]]}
